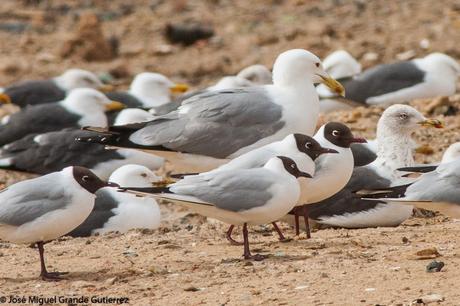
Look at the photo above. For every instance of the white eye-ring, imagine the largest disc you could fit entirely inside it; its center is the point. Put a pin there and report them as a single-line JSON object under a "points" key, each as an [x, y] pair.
{"points": [[403, 116], [335, 133], [85, 178], [292, 166], [307, 145]]}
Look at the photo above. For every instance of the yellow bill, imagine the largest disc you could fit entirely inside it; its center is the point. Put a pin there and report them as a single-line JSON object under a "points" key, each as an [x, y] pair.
{"points": [[106, 88], [178, 88], [432, 123], [114, 106], [333, 85], [5, 99]]}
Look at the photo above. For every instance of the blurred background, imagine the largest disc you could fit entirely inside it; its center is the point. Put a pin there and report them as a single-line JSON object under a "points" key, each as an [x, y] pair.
{"points": [[118, 39]]}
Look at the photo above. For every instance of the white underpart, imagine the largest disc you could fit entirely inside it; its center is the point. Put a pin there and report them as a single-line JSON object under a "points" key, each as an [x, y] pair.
{"points": [[331, 176], [56, 223], [132, 115], [132, 212], [386, 215], [440, 80], [152, 89], [284, 196], [89, 104]]}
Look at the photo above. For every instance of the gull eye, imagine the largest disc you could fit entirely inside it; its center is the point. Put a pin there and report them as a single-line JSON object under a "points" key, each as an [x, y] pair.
{"points": [[85, 178], [403, 116], [335, 133], [307, 145], [317, 64], [292, 166], [144, 174]]}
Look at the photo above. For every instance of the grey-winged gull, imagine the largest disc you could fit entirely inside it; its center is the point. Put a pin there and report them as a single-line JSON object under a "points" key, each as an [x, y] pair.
{"points": [[83, 106], [121, 212], [433, 75], [241, 196], [304, 150], [45, 208], [51, 90], [53, 151], [394, 134], [209, 128]]}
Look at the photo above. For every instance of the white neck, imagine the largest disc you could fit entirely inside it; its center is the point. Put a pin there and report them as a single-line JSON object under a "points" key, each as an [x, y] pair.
{"points": [[395, 150]]}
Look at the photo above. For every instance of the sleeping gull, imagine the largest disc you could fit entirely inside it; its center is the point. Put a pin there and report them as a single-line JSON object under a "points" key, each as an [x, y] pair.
{"points": [[434, 75], [209, 128], [394, 134], [83, 106], [48, 207], [115, 211], [132, 115], [52, 90], [241, 196]]}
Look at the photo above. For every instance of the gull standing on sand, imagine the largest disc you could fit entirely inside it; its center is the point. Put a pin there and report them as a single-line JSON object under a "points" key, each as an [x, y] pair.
{"points": [[45, 208], [209, 128], [239, 197]]}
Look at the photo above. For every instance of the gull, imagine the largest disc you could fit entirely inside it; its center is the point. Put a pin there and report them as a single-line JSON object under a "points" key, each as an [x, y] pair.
{"points": [[240, 197], [42, 209], [210, 128], [83, 106], [431, 76], [52, 90], [303, 149], [395, 149], [121, 212]]}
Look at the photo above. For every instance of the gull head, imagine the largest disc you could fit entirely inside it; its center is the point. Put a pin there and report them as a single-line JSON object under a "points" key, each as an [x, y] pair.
{"points": [[400, 119], [231, 82], [310, 146], [132, 115], [155, 87], [86, 179], [452, 153], [87, 100], [337, 134], [285, 164], [79, 78], [134, 176], [256, 74], [298, 67], [340, 64]]}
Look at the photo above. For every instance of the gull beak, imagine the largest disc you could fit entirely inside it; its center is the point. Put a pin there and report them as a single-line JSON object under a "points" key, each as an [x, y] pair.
{"points": [[178, 88], [105, 88], [304, 174], [358, 140], [327, 150], [112, 184], [114, 106], [332, 84], [431, 123], [5, 99]]}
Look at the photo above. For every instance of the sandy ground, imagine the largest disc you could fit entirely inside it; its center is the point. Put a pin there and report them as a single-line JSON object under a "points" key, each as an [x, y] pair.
{"points": [[187, 261]]}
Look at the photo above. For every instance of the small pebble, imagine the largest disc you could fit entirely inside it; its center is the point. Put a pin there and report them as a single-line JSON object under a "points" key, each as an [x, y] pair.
{"points": [[434, 266]]}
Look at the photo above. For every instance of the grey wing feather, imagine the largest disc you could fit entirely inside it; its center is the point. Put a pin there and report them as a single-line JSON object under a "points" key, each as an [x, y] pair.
{"points": [[229, 190], [383, 79], [28, 200], [216, 123], [37, 119], [34, 92]]}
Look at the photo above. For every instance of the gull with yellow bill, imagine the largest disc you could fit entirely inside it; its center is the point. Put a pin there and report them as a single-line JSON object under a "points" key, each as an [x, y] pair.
{"points": [[210, 128]]}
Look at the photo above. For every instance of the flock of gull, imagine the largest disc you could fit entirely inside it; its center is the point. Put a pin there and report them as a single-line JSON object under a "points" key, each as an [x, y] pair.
{"points": [[245, 151]]}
